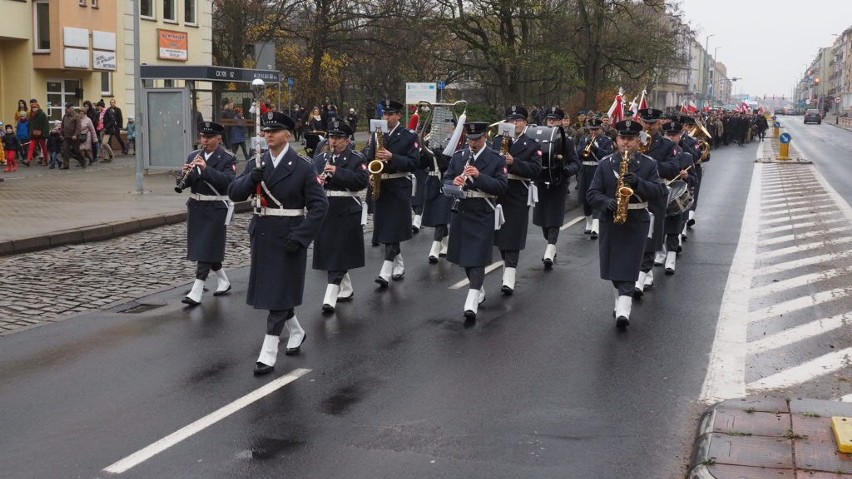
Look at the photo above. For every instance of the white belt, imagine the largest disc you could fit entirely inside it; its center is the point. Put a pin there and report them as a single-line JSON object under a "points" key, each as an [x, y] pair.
{"points": [[390, 176], [198, 197], [590, 163], [516, 177], [332, 193], [279, 212], [434, 173], [478, 194], [637, 206]]}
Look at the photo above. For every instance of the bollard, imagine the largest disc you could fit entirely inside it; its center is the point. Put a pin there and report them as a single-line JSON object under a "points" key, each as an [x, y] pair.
{"points": [[776, 129], [784, 153]]}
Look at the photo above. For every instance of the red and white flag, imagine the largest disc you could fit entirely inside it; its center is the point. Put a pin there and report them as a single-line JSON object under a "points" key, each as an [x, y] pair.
{"points": [[616, 111]]}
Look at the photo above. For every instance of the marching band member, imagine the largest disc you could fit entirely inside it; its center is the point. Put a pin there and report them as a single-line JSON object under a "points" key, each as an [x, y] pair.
{"points": [[207, 172], [437, 207], [601, 146], [523, 160], [477, 176], [284, 185], [683, 166], [690, 145], [392, 222], [549, 212], [339, 245], [622, 245], [658, 149]]}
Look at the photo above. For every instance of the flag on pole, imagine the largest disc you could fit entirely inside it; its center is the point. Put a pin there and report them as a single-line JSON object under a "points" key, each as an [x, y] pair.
{"points": [[642, 103], [616, 111]]}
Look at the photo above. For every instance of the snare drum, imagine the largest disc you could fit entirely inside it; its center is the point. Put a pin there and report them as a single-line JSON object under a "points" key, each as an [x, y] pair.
{"points": [[680, 198]]}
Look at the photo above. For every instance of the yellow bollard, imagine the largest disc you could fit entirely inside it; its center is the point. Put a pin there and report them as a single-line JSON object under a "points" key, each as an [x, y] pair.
{"points": [[785, 152], [776, 131]]}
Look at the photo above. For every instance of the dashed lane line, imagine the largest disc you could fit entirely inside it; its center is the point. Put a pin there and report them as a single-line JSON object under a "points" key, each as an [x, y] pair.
{"points": [[146, 453]]}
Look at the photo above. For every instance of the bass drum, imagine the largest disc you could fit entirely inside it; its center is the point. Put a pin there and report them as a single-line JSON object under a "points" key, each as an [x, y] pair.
{"points": [[680, 198], [552, 142]]}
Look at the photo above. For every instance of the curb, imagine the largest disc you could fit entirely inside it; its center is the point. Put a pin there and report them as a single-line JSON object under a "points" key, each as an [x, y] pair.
{"points": [[100, 232], [769, 437]]}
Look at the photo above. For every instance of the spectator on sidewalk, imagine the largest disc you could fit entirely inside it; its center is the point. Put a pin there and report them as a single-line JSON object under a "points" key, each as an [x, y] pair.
{"points": [[352, 121], [86, 139], [106, 155], [22, 127], [39, 128], [54, 145], [93, 115], [131, 135], [70, 130], [238, 133], [114, 123], [12, 146]]}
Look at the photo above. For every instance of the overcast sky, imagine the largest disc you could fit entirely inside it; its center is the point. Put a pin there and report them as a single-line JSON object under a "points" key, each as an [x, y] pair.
{"points": [[767, 43]]}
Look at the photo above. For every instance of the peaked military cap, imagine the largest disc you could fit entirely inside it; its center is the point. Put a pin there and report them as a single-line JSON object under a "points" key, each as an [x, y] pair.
{"points": [[628, 128], [275, 120], [650, 114], [209, 128], [555, 113], [391, 106], [516, 113], [594, 123], [475, 129], [673, 128], [339, 128]]}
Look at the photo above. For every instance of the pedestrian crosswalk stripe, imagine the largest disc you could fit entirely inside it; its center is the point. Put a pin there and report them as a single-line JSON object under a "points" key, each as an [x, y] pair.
{"points": [[788, 204], [798, 210], [807, 224], [801, 280], [825, 364], [810, 261], [799, 333], [784, 199], [798, 217], [805, 235], [800, 248], [796, 304]]}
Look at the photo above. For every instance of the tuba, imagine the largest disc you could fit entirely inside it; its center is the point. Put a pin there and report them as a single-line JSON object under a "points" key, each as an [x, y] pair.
{"points": [[622, 191], [700, 133], [376, 167]]}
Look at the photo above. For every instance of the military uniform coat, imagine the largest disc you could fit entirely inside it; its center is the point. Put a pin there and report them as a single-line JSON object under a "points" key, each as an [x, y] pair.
{"points": [[602, 148], [689, 145], [436, 208], [392, 211], [681, 160], [339, 245], [621, 246], [661, 148], [471, 240], [549, 212], [277, 278], [527, 164], [205, 225]]}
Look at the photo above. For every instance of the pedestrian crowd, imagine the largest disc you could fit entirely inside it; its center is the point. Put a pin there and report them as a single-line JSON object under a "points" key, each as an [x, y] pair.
{"points": [[84, 133]]}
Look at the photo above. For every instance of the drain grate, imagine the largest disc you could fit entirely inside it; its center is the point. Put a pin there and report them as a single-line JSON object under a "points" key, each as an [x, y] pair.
{"points": [[140, 308]]}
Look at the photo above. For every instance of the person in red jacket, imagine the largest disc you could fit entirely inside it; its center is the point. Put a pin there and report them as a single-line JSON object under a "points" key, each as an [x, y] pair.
{"points": [[39, 128]]}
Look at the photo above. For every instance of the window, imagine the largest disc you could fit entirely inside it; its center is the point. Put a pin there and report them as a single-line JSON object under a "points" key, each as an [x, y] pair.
{"points": [[146, 9], [106, 83], [170, 10], [82, 3], [94, 3], [42, 25], [60, 92], [189, 12]]}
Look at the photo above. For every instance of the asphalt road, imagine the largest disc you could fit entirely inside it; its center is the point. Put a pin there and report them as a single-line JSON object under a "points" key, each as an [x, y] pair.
{"points": [[542, 386]]}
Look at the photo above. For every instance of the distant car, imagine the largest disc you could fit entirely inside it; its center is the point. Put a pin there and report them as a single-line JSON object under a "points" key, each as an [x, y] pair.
{"points": [[812, 116], [789, 110]]}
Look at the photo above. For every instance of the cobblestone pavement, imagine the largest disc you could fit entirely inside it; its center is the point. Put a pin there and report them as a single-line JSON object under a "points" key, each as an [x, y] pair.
{"points": [[51, 285]]}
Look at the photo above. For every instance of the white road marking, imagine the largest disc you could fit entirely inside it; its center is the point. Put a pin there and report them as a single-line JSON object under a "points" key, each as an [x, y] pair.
{"points": [[788, 265], [798, 217], [801, 280], [820, 366], [572, 223], [776, 229], [725, 377], [783, 200], [461, 284], [798, 210], [799, 248], [779, 206], [846, 398], [799, 333], [800, 236], [146, 453], [802, 302]]}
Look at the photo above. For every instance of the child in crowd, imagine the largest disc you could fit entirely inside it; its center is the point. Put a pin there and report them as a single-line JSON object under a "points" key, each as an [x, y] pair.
{"points": [[131, 135], [54, 144], [12, 146]]}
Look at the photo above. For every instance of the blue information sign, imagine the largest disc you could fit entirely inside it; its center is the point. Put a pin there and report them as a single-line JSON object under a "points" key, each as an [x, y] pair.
{"points": [[441, 85], [291, 82], [785, 138]]}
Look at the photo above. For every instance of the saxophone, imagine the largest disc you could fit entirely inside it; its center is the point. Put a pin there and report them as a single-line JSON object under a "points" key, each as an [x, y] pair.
{"points": [[622, 191], [504, 147], [376, 167]]}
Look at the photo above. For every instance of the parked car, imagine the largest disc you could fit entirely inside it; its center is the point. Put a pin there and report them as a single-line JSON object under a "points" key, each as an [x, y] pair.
{"points": [[812, 116]]}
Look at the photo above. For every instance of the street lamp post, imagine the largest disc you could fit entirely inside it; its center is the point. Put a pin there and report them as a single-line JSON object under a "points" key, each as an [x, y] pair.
{"points": [[713, 80], [706, 54]]}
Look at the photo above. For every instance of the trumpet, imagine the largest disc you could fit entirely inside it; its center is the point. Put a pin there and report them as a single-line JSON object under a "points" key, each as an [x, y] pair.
{"points": [[587, 151], [181, 180]]}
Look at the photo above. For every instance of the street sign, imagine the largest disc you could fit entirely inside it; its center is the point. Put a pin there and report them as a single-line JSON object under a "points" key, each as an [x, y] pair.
{"points": [[785, 138], [417, 92], [291, 82], [441, 85]]}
